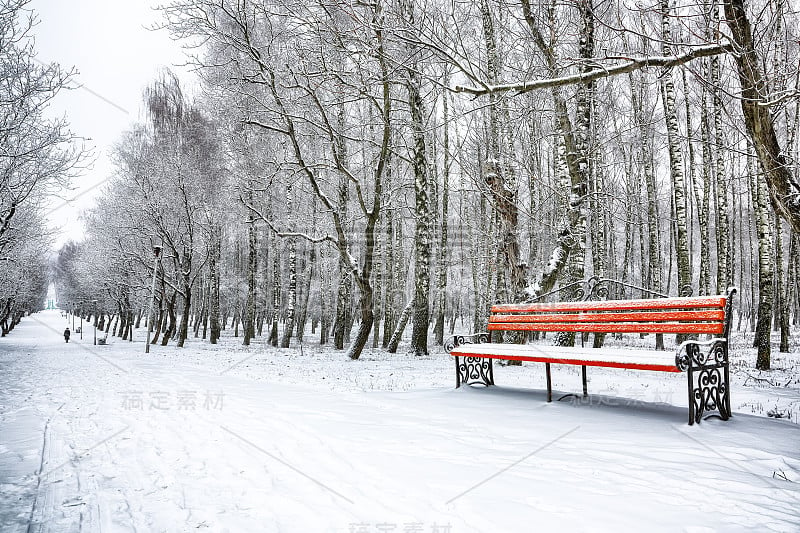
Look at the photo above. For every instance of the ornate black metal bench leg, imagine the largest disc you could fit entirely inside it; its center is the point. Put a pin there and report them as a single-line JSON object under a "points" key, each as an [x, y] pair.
{"points": [[474, 370], [727, 376], [708, 382]]}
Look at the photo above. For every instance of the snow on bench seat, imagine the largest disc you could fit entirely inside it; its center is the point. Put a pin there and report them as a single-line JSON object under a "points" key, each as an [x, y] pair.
{"points": [[608, 357]]}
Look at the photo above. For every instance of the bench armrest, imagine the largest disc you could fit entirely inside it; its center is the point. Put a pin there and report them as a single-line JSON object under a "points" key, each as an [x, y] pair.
{"points": [[454, 341], [689, 353]]}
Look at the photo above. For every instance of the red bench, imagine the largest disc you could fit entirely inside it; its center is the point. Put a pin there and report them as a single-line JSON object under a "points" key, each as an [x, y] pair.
{"points": [[704, 361]]}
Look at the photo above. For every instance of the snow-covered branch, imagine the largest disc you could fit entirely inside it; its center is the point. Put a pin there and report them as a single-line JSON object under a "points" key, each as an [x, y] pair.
{"points": [[628, 65], [283, 234]]}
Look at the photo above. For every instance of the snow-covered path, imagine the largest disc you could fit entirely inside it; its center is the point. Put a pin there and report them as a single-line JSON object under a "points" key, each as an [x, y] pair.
{"points": [[110, 439]]}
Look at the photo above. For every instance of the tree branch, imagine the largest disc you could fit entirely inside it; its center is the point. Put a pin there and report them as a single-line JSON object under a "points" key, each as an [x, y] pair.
{"points": [[284, 234], [630, 65]]}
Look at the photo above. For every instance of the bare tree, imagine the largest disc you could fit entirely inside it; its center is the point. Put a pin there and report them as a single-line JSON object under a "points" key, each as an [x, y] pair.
{"points": [[39, 154]]}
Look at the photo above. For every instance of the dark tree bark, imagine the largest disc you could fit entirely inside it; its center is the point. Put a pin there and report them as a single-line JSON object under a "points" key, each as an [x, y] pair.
{"points": [[252, 266], [213, 274]]}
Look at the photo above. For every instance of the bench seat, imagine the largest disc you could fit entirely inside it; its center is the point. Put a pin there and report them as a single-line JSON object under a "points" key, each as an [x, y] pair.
{"points": [[662, 361]]}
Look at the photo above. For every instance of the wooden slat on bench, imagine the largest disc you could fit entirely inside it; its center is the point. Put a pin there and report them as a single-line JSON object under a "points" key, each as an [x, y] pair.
{"points": [[657, 316], [717, 302], [609, 327]]}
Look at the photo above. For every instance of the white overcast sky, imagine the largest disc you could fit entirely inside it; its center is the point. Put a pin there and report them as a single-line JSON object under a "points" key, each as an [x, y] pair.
{"points": [[116, 55]]}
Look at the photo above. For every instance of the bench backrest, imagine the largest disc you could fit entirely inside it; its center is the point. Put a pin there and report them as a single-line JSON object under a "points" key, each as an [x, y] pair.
{"points": [[704, 314]]}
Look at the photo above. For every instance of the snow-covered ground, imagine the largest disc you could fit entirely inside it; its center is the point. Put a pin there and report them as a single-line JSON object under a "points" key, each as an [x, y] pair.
{"points": [[228, 438]]}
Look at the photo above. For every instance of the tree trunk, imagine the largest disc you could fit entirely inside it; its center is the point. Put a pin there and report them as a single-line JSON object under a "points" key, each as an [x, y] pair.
{"points": [[342, 305], [572, 232], [675, 158], [702, 197], [338, 140], [252, 266], [422, 234], [723, 251], [308, 273], [199, 318], [213, 275], [170, 331], [365, 302], [183, 331], [655, 264], [389, 280], [441, 278], [291, 301], [790, 302], [784, 189], [479, 268], [765, 271], [401, 326], [324, 298], [500, 178], [782, 282], [378, 301], [276, 296]]}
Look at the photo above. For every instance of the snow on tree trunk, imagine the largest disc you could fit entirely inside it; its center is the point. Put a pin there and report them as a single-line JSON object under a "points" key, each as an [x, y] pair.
{"points": [[765, 270], [572, 232], [675, 156], [291, 301], [584, 94], [422, 214], [422, 233]]}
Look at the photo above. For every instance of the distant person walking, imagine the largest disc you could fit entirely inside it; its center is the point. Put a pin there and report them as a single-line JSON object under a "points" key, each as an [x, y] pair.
{"points": [[66, 334]]}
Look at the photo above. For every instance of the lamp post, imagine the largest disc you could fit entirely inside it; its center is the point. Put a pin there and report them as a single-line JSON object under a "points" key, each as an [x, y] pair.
{"points": [[157, 254], [73, 317], [81, 330], [94, 312]]}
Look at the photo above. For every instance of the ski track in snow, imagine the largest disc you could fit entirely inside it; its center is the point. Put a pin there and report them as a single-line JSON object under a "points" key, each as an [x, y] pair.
{"points": [[107, 438]]}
